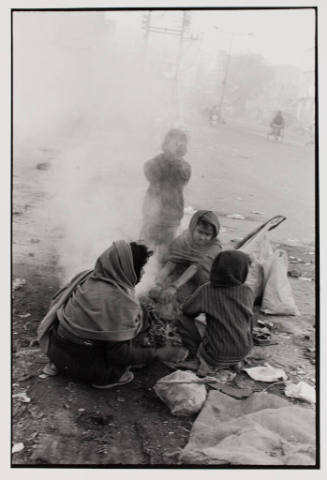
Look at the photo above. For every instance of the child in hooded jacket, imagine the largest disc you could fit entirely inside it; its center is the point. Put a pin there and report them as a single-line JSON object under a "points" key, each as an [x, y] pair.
{"points": [[228, 307]]}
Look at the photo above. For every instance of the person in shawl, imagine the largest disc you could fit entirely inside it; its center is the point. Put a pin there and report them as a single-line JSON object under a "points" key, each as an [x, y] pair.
{"points": [[90, 330], [189, 256], [163, 205], [228, 307]]}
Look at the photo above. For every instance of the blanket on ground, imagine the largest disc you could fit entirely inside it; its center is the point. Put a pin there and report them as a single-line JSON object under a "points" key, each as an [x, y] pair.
{"points": [[261, 430]]}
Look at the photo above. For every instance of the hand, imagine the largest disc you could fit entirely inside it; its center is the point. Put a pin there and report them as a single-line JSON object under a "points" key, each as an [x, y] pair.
{"points": [[168, 294], [173, 354], [155, 291]]}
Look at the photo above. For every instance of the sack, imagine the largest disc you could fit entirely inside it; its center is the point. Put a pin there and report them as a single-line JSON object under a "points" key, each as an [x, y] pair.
{"points": [[259, 248], [183, 392], [257, 245], [277, 296]]}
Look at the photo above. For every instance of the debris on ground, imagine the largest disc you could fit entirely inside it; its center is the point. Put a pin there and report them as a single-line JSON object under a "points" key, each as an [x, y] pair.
{"points": [[17, 447], [266, 373], [43, 166], [235, 216], [18, 283], [22, 397], [301, 391], [182, 391]]}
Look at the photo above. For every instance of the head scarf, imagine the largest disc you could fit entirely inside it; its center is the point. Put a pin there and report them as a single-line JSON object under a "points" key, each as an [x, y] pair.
{"points": [[104, 306], [115, 265], [229, 268], [183, 249]]}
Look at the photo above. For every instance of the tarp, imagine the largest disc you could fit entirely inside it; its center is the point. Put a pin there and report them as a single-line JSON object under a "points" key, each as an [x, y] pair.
{"points": [[263, 429]]}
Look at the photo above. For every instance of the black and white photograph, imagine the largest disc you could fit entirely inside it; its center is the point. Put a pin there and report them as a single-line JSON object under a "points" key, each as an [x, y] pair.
{"points": [[165, 236]]}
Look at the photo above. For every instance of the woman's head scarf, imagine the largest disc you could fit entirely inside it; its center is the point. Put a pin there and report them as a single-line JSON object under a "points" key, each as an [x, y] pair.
{"points": [[116, 265], [184, 250], [104, 306], [229, 268]]}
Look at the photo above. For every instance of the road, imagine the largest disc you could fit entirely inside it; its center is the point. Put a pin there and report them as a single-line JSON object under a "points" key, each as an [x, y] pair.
{"points": [[237, 170]]}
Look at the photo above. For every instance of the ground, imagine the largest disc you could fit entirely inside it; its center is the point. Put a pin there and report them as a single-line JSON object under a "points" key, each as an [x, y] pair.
{"points": [[62, 422]]}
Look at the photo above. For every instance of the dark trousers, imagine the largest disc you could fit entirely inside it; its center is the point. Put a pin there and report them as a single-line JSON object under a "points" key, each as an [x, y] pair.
{"points": [[189, 333], [86, 363]]}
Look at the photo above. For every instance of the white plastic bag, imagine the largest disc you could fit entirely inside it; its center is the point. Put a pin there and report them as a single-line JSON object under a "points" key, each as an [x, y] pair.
{"points": [[302, 390], [277, 296], [259, 248], [182, 391], [266, 373]]}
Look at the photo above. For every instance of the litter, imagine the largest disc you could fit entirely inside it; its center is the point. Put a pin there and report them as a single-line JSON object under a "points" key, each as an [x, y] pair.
{"points": [[306, 279], [294, 273], [256, 212], [277, 296], [22, 397], [17, 447], [301, 391], [18, 282], [266, 373], [25, 315], [183, 399], [235, 216]]}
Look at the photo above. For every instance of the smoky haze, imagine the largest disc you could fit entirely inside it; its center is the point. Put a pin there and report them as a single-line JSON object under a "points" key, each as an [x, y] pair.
{"points": [[84, 91]]}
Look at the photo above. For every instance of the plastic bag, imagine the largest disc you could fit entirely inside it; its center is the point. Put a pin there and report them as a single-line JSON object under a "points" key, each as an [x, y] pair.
{"points": [[257, 245], [266, 373], [302, 391], [259, 248], [182, 391], [277, 296]]}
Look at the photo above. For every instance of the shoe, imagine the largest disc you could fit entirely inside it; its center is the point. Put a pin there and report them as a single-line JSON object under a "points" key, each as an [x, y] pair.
{"points": [[127, 377], [50, 369]]}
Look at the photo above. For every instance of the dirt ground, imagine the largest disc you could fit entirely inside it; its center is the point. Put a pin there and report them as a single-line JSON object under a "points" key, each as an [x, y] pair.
{"points": [[60, 422]]}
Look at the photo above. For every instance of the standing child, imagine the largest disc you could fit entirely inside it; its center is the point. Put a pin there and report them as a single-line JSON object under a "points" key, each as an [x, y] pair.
{"points": [[228, 306], [163, 206]]}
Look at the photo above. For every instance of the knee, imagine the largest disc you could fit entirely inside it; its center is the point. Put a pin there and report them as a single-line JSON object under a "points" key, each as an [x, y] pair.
{"points": [[183, 322]]}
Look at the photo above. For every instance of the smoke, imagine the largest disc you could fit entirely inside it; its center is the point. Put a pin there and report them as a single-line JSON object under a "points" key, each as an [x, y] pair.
{"points": [[148, 279], [79, 88]]}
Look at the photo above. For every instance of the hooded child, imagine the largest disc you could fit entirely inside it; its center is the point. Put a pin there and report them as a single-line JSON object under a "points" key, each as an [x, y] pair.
{"points": [[90, 330], [189, 258], [228, 307], [163, 205]]}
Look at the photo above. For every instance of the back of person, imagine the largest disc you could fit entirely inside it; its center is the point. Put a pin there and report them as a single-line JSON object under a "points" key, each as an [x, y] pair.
{"points": [[229, 313], [228, 306]]}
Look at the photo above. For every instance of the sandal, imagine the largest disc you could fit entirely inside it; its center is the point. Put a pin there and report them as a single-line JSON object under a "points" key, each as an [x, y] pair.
{"points": [[50, 369], [127, 377], [262, 339]]}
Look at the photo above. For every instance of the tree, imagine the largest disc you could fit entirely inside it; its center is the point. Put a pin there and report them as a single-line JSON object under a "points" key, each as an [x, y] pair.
{"points": [[247, 77]]}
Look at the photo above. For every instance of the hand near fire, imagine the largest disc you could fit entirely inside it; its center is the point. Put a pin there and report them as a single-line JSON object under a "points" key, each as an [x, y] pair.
{"points": [[167, 295]]}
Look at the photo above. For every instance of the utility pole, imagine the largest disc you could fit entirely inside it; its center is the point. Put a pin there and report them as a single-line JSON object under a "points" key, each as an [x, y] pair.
{"points": [[233, 35], [185, 23], [146, 26], [225, 78]]}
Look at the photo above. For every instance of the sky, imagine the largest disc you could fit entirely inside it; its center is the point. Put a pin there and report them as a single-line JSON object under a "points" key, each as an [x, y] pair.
{"points": [[281, 36]]}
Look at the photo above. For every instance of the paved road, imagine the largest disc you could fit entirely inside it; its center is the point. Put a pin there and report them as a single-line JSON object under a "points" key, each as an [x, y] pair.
{"points": [[237, 170]]}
